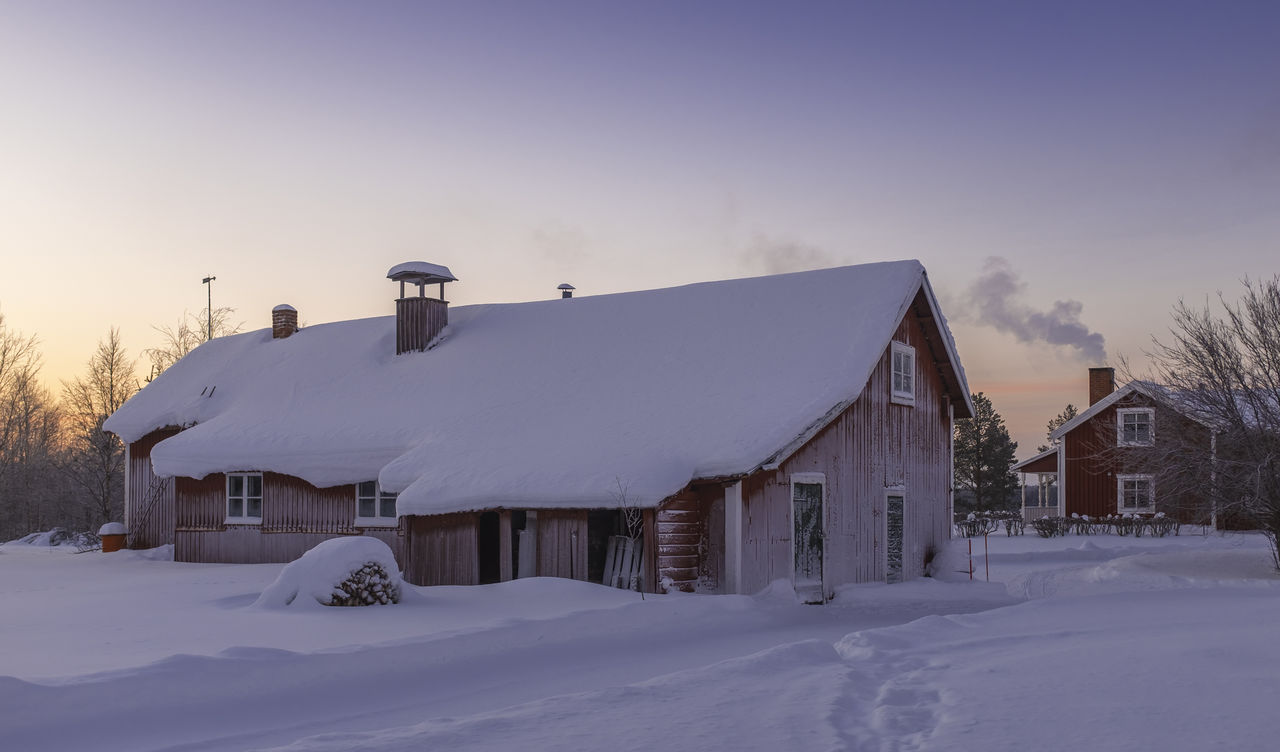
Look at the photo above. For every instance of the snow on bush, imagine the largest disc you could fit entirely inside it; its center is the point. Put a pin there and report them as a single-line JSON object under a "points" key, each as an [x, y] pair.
{"points": [[348, 571], [58, 536]]}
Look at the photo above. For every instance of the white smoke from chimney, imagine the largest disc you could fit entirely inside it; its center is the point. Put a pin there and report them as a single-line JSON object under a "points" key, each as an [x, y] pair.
{"points": [[991, 300]]}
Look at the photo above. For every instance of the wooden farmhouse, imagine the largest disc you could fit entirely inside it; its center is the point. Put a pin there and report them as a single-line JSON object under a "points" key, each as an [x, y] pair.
{"points": [[1111, 459], [793, 427]]}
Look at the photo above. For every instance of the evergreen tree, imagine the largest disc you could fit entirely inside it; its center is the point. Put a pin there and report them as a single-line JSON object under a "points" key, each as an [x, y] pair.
{"points": [[983, 455], [1067, 415]]}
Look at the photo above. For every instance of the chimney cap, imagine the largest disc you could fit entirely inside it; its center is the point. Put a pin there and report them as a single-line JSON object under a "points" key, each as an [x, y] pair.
{"points": [[284, 307], [566, 286], [420, 273]]}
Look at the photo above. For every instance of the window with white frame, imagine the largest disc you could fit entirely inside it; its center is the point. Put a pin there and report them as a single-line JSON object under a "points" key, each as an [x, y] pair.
{"points": [[1135, 493], [1135, 426], [903, 373], [373, 505], [244, 498]]}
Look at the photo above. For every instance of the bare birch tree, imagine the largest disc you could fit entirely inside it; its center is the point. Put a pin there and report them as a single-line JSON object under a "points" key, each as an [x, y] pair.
{"points": [[95, 458], [1221, 366], [186, 335]]}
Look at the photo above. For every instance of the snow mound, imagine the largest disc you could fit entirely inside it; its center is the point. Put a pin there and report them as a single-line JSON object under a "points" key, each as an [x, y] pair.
{"points": [[349, 571], [58, 536], [112, 528]]}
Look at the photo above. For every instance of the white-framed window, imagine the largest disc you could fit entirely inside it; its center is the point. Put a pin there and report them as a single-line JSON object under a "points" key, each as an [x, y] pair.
{"points": [[1135, 494], [244, 498], [903, 373], [374, 506], [1135, 426]]}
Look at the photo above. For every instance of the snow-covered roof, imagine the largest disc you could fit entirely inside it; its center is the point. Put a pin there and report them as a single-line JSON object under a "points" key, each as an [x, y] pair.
{"points": [[1053, 450], [1151, 390], [421, 271], [545, 404]]}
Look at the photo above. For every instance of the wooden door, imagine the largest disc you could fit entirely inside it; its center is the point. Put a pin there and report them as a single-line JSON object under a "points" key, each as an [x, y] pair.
{"points": [[806, 506]]}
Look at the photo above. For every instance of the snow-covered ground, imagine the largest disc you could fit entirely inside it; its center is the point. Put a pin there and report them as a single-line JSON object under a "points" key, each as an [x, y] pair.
{"points": [[1100, 643]]}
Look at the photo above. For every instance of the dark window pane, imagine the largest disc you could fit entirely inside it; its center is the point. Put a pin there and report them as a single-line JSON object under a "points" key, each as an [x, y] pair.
{"points": [[388, 506], [366, 508], [254, 507], [235, 485], [255, 485], [368, 488], [235, 507]]}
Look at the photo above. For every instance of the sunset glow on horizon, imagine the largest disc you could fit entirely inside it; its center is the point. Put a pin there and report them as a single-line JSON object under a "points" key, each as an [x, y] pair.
{"points": [[1117, 156]]}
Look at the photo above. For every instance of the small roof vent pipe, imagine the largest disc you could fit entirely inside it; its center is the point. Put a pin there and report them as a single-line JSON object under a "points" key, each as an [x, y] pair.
{"points": [[566, 290]]}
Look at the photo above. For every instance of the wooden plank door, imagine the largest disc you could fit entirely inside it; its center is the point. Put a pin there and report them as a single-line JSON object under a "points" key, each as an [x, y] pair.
{"points": [[806, 506]]}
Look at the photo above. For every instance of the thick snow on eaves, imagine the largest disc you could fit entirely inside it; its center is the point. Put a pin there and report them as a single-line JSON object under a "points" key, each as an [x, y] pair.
{"points": [[646, 391], [531, 405]]}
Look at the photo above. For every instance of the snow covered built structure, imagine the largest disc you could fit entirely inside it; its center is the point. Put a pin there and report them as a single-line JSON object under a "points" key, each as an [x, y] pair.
{"points": [[794, 427], [1126, 454]]}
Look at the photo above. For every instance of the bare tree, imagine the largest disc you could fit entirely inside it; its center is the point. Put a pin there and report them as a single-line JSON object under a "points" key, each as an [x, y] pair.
{"points": [[1222, 368], [633, 520], [95, 458], [29, 437], [186, 335]]}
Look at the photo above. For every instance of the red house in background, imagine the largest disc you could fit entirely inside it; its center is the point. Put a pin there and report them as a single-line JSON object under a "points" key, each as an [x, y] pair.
{"points": [[1106, 461]]}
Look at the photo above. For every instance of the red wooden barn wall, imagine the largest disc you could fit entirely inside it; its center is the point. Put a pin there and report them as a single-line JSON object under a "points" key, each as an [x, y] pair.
{"points": [[442, 549], [148, 499], [871, 447], [295, 517]]}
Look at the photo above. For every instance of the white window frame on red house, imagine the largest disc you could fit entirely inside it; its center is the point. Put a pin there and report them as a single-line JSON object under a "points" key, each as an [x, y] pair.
{"points": [[380, 500], [902, 373], [1150, 508], [1124, 412], [243, 499]]}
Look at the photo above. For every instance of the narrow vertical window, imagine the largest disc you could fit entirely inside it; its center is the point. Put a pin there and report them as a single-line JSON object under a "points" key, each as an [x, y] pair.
{"points": [[903, 373]]}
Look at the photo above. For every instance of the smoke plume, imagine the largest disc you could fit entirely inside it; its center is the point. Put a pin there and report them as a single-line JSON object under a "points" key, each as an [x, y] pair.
{"points": [[992, 299], [775, 256]]}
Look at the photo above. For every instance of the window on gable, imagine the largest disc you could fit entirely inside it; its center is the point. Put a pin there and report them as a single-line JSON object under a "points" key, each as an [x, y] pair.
{"points": [[373, 505], [1136, 493], [1135, 426], [903, 373], [244, 498]]}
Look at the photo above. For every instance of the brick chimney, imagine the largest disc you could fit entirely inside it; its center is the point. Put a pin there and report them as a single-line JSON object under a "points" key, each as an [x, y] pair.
{"points": [[1102, 381], [284, 321], [419, 318]]}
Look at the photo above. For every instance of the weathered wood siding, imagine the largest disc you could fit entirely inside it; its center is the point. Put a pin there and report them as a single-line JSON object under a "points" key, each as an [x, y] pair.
{"points": [[149, 510], [295, 517], [442, 549], [1093, 459], [417, 321], [690, 529], [872, 447], [562, 543]]}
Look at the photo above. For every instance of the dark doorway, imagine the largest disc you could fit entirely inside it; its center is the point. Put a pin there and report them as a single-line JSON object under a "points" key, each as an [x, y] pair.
{"points": [[601, 523], [487, 546]]}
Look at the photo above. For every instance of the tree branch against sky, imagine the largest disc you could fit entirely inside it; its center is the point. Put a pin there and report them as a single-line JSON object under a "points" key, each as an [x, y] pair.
{"points": [[95, 459], [1221, 364]]}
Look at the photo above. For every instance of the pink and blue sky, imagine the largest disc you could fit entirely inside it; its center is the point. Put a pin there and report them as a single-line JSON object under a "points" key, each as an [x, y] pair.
{"points": [[1114, 156]]}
